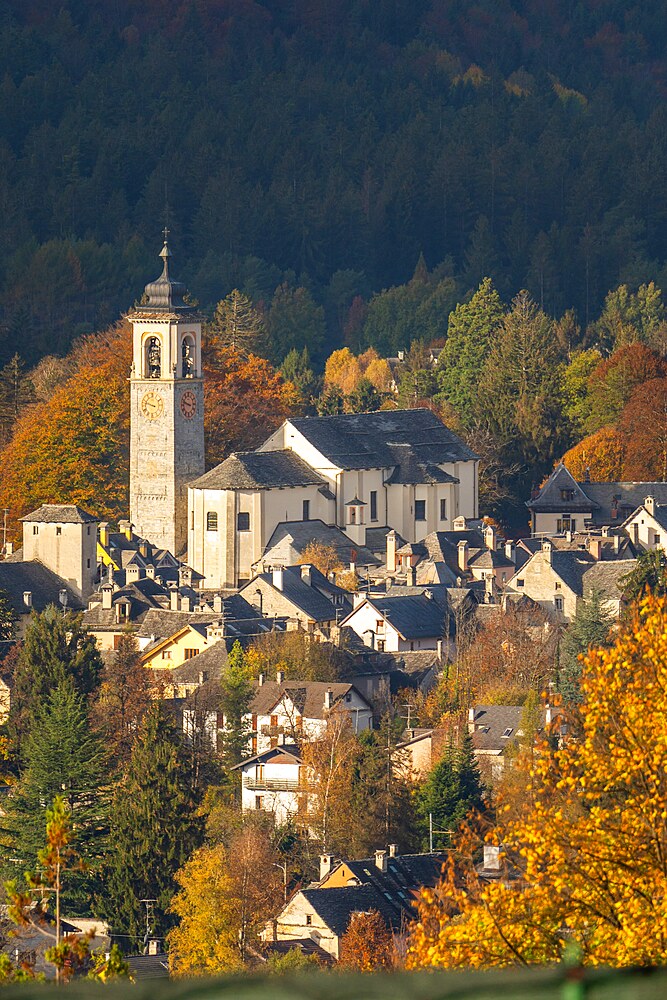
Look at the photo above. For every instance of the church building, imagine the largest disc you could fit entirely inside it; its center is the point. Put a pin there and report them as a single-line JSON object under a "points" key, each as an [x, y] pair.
{"points": [[166, 410]]}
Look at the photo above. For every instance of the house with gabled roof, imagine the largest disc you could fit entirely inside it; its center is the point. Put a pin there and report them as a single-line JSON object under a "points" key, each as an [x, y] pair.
{"points": [[395, 468], [563, 504], [301, 594], [273, 781], [557, 579], [295, 710], [396, 622], [647, 525], [388, 883]]}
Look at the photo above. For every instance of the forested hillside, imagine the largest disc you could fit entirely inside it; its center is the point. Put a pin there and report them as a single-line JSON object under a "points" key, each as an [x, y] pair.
{"points": [[319, 148]]}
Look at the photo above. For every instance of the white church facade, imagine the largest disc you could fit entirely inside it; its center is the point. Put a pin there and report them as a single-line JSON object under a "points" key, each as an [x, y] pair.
{"points": [[400, 469], [363, 473]]}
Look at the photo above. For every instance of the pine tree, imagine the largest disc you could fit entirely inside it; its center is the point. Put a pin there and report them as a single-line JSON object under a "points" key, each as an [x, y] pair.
{"points": [[648, 576], [16, 392], [55, 648], [237, 694], [451, 791], [62, 756], [296, 368], [472, 327], [589, 629], [153, 831], [236, 323]]}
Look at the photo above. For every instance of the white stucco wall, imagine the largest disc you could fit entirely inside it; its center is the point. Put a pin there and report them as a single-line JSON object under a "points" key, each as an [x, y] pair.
{"points": [[71, 552]]}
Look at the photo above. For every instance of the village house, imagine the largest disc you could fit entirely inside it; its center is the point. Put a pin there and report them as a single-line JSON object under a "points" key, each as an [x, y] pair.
{"points": [[388, 883], [647, 526], [496, 731], [557, 580], [395, 622], [300, 594], [563, 504], [300, 710], [401, 468], [291, 539], [273, 781]]}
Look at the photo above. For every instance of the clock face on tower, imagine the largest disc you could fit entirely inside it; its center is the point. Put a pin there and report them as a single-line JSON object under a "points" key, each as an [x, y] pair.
{"points": [[188, 404], [152, 405]]}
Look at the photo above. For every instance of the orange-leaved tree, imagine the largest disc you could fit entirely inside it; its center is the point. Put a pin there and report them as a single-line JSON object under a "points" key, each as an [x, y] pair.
{"points": [[246, 399], [600, 455], [591, 842], [614, 380], [367, 945], [643, 427], [74, 448]]}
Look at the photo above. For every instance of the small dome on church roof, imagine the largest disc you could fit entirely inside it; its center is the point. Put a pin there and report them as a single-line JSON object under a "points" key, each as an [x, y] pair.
{"points": [[165, 294]]}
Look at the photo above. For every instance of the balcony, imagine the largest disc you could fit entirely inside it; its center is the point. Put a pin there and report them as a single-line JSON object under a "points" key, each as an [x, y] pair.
{"points": [[273, 784]]}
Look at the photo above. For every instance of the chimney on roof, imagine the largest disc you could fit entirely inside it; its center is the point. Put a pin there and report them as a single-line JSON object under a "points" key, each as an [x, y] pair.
{"points": [[393, 850], [260, 679], [463, 556], [381, 860], [471, 719], [306, 574], [103, 528], [605, 531], [587, 475], [153, 947], [126, 529], [150, 571], [649, 503], [438, 647], [217, 604], [185, 603], [27, 598], [173, 597], [107, 596], [133, 573], [277, 577], [510, 551], [326, 864], [547, 550], [617, 544], [411, 578], [184, 576], [400, 355], [143, 548], [328, 700], [491, 857], [280, 676], [391, 551], [595, 548], [490, 537]]}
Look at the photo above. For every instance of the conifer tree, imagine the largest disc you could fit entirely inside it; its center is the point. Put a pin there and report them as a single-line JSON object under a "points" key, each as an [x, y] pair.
{"points": [[64, 757], [589, 629], [236, 323], [55, 648], [153, 830], [237, 694], [451, 791], [472, 327]]}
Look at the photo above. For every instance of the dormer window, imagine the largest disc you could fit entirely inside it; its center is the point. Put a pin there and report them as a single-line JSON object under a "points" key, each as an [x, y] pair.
{"points": [[567, 495]]}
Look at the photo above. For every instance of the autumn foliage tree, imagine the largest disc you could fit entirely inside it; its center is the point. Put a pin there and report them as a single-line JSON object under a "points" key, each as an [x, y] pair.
{"points": [[614, 380], [600, 455], [73, 448], [367, 944], [246, 399], [591, 844], [643, 427]]}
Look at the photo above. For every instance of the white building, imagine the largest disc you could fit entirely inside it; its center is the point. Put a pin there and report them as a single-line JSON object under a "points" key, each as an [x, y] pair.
{"points": [[396, 468], [63, 537], [401, 623], [273, 782], [300, 710]]}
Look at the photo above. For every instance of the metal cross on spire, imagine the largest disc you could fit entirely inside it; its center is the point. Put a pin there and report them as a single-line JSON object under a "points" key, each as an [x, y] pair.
{"points": [[166, 232]]}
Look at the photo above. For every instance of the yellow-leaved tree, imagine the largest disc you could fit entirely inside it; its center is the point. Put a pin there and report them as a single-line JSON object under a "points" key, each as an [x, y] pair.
{"points": [[590, 844]]}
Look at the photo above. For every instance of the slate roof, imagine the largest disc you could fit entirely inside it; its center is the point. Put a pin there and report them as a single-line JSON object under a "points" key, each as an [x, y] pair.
{"points": [[407, 439], [492, 721], [259, 470], [210, 662], [44, 585], [148, 966], [606, 576], [312, 598], [392, 892], [163, 624], [549, 498], [491, 559], [291, 538], [608, 503], [308, 696], [142, 597], [414, 616], [288, 750], [60, 513]]}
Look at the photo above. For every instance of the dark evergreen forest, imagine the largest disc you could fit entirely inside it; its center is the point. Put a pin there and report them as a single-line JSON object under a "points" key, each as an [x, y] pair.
{"points": [[325, 144]]}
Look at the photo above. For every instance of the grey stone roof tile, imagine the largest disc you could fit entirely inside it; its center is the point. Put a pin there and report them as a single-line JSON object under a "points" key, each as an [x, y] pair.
{"points": [[44, 585], [254, 470], [60, 513]]}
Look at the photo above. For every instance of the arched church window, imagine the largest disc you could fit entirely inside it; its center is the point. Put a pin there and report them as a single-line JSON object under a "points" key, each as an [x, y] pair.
{"points": [[153, 357], [188, 358]]}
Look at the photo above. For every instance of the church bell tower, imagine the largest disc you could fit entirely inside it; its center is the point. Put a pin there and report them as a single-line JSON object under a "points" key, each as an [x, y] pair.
{"points": [[166, 410]]}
